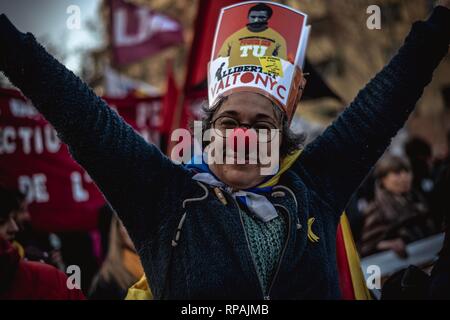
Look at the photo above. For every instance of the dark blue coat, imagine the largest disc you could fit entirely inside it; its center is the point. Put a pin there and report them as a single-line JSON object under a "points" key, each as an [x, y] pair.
{"points": [[151, 194]]}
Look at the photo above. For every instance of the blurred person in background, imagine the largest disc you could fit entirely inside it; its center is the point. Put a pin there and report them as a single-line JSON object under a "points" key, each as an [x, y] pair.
{"points": [[8, 205], [121, 268], [106, 214], [397, 215], [59, 250], [440, 198], [33, 245], [22, 279], [28, 280], [22, 215], [78, 248], [412, 282], [420, 157]]}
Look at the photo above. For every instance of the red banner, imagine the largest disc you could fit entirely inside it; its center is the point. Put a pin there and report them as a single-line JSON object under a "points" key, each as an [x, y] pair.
{"points": [[61, 195], [138, 32], [143, 114], [195, 86], [200, 54], [170, 99]]}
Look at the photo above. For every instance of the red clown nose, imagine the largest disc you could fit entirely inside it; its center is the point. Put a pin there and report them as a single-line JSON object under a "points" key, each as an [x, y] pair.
{"points": [[243, 136]]}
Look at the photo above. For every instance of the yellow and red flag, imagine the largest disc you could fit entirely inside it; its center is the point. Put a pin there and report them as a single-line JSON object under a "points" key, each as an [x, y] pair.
{"points": [[351, 279]]}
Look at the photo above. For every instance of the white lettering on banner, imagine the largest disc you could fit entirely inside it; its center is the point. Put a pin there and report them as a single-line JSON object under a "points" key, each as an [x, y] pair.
{"points": [[79, 194], [34, 187], [25, 135], [7, 137], [149, 23], [33, 140], [21, 109], [38, 144], [51, 139]]}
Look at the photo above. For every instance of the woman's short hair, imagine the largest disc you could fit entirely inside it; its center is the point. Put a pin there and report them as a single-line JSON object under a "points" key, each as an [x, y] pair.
{"points": [[391, 163], [261, 7], [10, 201]]}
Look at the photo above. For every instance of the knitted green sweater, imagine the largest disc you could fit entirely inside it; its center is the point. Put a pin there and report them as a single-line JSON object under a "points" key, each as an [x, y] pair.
{"points": [[266, 240]]}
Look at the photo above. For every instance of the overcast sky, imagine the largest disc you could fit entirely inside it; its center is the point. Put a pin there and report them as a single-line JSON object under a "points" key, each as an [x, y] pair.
{"points": [[47, 19]]}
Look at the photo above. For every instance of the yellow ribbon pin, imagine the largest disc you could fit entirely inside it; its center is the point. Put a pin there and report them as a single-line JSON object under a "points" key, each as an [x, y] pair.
{"points": [[311, 235]]}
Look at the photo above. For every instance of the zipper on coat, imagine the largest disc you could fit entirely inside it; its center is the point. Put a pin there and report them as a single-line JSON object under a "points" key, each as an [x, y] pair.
{"points": [[282, 252]]}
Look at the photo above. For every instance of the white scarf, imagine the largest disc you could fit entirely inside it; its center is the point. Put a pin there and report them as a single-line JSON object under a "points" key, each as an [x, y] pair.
{"points": [[259, 205]]}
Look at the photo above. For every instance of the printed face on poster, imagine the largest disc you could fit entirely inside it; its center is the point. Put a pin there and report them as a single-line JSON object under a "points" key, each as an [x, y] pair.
{"points": [[258, 46]]}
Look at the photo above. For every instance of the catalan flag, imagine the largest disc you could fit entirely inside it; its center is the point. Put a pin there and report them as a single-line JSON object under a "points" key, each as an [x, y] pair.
{"points": [[351, 279]]}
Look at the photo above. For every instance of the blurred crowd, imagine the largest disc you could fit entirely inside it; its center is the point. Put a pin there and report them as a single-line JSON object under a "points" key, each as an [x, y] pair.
{"points": [[33, 263], [404, 199]]}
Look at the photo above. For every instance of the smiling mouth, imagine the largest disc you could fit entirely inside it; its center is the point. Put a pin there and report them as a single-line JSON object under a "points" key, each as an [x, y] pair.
{"points": [[247, 157]]}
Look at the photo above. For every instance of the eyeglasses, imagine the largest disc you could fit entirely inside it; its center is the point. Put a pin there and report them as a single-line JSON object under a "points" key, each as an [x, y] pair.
{"points": [[224, 125]]}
